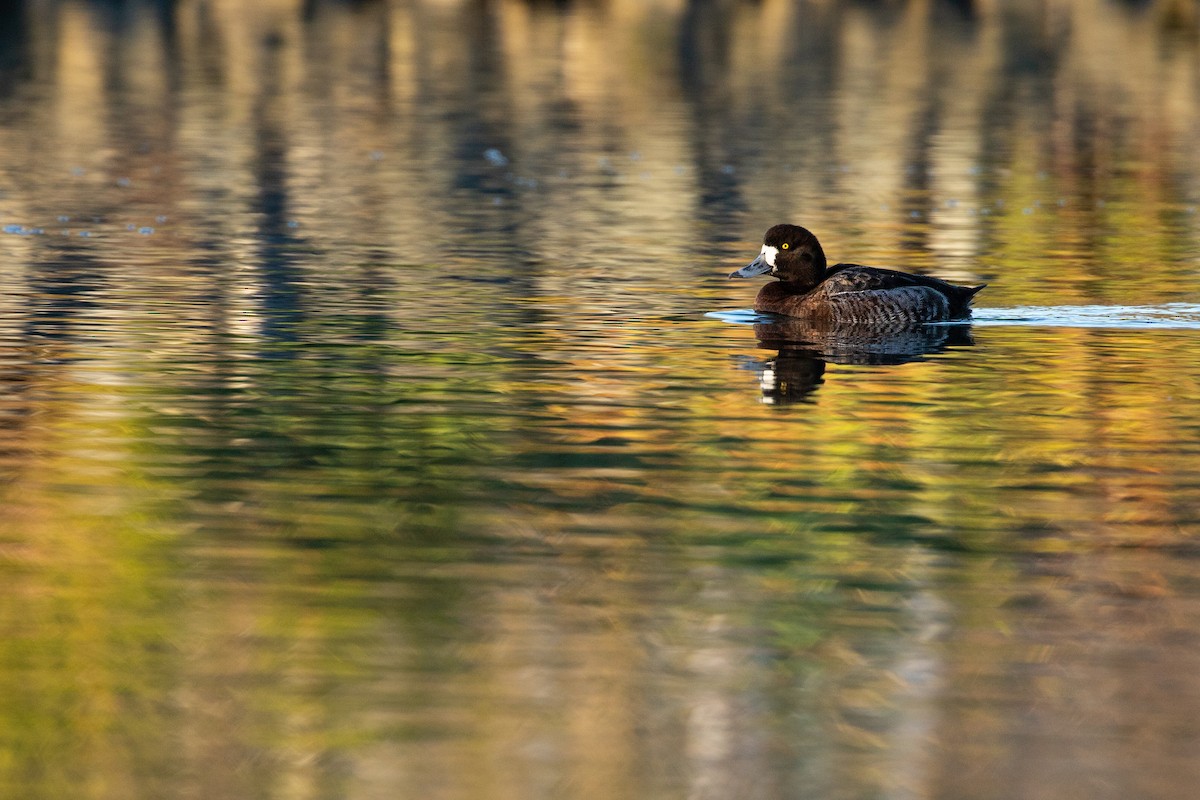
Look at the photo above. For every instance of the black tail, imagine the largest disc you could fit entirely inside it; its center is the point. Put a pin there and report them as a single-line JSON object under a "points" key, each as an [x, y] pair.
{"points": [[961, 297]]}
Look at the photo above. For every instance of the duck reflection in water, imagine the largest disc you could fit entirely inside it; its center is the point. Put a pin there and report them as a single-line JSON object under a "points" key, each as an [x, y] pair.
{"points": [[804, 349]]}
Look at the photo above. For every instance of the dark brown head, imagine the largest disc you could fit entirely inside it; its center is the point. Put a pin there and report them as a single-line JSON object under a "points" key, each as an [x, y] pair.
{"points": [[790, 253]]}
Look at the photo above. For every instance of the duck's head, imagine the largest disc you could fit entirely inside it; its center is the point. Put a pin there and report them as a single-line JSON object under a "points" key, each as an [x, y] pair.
{"points": [[790, 253]]}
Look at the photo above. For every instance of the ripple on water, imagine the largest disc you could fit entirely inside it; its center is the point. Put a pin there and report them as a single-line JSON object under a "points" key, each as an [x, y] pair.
{"points": [[1166, 315]]}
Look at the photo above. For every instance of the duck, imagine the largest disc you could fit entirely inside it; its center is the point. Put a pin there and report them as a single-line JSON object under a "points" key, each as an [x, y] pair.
{"points": [[847, 294]]}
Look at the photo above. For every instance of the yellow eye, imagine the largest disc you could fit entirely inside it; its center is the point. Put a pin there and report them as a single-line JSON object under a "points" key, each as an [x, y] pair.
{"points": [[784, 245]]}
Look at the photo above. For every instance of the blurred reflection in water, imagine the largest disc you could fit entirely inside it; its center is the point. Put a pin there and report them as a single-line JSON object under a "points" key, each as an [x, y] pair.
{"points": [[799, 367], [363, 433]]}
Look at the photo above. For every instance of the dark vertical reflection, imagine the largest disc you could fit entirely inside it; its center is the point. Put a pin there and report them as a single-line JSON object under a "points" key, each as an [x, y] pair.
{"points": [[277, 245], [14, 45], [705, 33], [481, 105], [66, 283]]}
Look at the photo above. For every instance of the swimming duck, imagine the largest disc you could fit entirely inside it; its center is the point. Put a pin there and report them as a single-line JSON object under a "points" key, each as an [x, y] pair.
{"points": [[847, 293]]}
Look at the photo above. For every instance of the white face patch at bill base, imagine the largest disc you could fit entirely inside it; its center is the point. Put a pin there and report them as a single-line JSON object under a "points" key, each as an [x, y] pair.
{"points": [[768, 254]]}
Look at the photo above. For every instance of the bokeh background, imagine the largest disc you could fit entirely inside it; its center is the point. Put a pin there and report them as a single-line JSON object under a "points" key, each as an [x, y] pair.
{"points": [[365, 430]]}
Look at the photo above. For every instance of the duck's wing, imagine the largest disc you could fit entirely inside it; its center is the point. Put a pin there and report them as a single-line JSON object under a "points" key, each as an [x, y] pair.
{"points": [[857, 278], [853, 278]]}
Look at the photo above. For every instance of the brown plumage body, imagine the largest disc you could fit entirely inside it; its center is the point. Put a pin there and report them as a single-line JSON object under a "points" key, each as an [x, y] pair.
{"points": [[847, 294]]}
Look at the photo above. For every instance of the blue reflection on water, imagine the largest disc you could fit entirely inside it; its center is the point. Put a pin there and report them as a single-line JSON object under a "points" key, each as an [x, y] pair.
{"points": [[1166, 315], [741, 316]]}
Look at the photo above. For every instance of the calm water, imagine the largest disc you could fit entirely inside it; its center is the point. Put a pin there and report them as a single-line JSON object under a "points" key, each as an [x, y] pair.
{"points": [[376, 419]]}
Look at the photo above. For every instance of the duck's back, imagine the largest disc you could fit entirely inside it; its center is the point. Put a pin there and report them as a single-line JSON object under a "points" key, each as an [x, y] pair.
{"points": [[854, 294]]}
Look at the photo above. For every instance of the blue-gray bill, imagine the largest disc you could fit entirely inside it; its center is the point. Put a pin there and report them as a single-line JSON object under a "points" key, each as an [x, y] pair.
{"points": [[756, 267]]}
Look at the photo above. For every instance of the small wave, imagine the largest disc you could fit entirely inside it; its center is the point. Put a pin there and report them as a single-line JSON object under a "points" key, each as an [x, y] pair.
{"points": [[1168, 315], [742, 316]]}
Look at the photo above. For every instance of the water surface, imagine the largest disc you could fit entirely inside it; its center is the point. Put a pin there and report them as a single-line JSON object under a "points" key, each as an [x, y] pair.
{"points": [[373, 421]]}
